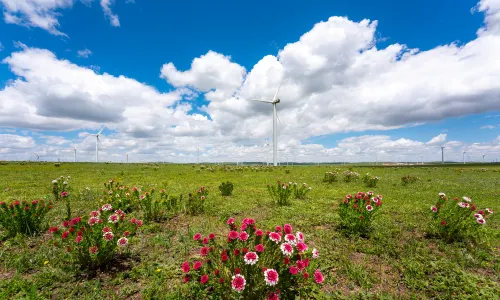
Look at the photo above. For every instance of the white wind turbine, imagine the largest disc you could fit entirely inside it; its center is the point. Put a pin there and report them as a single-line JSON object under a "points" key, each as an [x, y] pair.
{"points": [[74, 149], [275, 125], [97, 142], [37, 156]]}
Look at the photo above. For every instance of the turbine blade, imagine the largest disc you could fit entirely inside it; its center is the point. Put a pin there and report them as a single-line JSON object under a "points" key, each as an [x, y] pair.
{"points": [[279, 86], [277, 116], [101, 130], [265, 101]]}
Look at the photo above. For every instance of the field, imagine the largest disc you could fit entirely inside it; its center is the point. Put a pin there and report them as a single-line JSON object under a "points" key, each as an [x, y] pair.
{"points": [[396, 261]]}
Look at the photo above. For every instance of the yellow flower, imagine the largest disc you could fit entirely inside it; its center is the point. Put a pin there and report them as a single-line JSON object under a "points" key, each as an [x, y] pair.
{"points": [[45, 262], [158, 270]]}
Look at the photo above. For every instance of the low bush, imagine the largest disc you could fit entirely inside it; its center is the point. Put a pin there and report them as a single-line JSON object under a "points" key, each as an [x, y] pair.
{"points": [[300, 190], [280, 193], [226, 188], [357, 212], [22, 217]]}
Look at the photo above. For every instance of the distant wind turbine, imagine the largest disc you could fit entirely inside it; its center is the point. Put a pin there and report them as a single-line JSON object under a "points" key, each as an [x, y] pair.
{"points": [[275, 125], [37, 156], [442, 154], [97, 142], [74, 149]]}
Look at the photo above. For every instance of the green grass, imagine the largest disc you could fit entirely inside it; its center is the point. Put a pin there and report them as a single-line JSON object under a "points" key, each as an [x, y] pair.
{"points": [[396, 261]]}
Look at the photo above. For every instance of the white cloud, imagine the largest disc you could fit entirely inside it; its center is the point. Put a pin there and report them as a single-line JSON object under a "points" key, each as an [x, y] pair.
{"points": [[487, 127], [84, 53], [106, 7], [437, 140], [35, 13]]}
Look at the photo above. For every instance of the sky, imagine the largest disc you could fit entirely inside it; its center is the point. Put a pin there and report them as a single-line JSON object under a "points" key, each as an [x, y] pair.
{"points": [[361, 80]]}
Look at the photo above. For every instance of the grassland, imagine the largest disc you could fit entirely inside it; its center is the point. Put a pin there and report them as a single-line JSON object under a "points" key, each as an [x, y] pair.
{"points": [[397, 261]]}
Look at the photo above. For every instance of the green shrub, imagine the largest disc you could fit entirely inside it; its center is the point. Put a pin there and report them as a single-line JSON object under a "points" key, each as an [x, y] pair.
{"points": [[300, 191], [226, 188], [331, 177], [196, 203], [280, 193], [24, 217], [408, 179], [350, 176], [370, 181], [357, 212]]}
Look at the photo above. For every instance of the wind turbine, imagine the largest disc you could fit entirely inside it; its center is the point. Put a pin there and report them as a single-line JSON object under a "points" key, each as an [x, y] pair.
{"points": [[442, 154], [484, 154], [97, 142], [74, 149], [37, 156], [275, 125], [463, 156]]}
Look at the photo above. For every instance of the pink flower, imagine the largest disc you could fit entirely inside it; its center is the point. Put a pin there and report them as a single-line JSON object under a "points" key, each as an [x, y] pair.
{"points": [[275, 237], [197, 266], [301, 265], [443, 223], [301, 247], [243, 236], [64, 194], [93, 249], [106, 229], [259, 248], [290, 238], [238, 283], [293, 270], [139, 223], [278, 228], [315, 253], [300, 236], [286, 249], [478, 216], [205, 241], [230, 221], [34, 202], [108, 236], [202, 198], [243, 227], [318, 277], [113, 218], [233, 235], [122, 242], [259, 232], [95, 214], [489, 211], [287, 228], [211, 236], [186, 279], [197, 237], [107, 207], [434, 209], [204, 251], [273, 296], [93, 221], [185, 267], [249, 221], [369, 207], [204, 279], [481, 221], [271, 277], [78, 239], [64, 234], [250, 258]]}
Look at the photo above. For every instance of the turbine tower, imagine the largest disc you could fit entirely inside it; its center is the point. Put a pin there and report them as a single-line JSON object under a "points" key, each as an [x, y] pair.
{"points": [[442, 154], [74, 149], [275, 124], [463, 156], [37, 156], [97, 142]]}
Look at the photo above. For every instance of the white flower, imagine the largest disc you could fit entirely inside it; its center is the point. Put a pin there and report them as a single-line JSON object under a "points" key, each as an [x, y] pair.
{"points": [[489, 211], [463, 204], [478, 216], [481, 221], [251, 258], [467, 199], [65, 183], [286, 249], [442, 194], [54, 181], [369, 207]]}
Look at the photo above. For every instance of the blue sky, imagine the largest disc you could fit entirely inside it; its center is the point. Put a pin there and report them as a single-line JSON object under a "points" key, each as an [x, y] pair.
{"points": [[152, 34]]}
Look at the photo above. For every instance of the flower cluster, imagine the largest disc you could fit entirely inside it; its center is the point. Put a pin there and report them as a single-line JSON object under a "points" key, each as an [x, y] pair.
{"points": [[456, 219], [24, 217], [196, 203], [250, 263], [350, 176], [120, 196], [92, 241], [331, 177], [357, 212], [370, 181], [60, 190], [280, 192], [300, 190]]}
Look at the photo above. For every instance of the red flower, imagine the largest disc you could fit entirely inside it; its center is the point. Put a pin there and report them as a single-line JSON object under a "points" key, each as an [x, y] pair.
{"points": [[243, 226], [53, 229], [204, 279], [205, 241], [106, 229], [293, 270], [230, 221], [301, 247], [233, 235], [306, 275], [355, 206], [259, 232], [237, 271], [224, 257], [236, 252], [186, 279], [185, 267], [197, 237], [66, 223], [243, 236], [244, 250], [93, 249], [17, 202], [443, 223], [78, 239], [34, 202], [204, 251], [286, 261], [278, 228], [361, 217], [197, 266], [259, 248], [221, 280], [139, 223], [65, 235], [273, 296], [126, 233], [211, 236], [216, 272], [318, 277], [249, 221]]}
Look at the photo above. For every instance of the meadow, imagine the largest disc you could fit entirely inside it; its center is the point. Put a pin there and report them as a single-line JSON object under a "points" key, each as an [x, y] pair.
{"points": [[397, 260]]}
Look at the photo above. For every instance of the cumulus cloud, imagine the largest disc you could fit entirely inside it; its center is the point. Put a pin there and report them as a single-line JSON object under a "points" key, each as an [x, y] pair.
{"points": [[335, 79], [487, 127], [84, 53]]}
